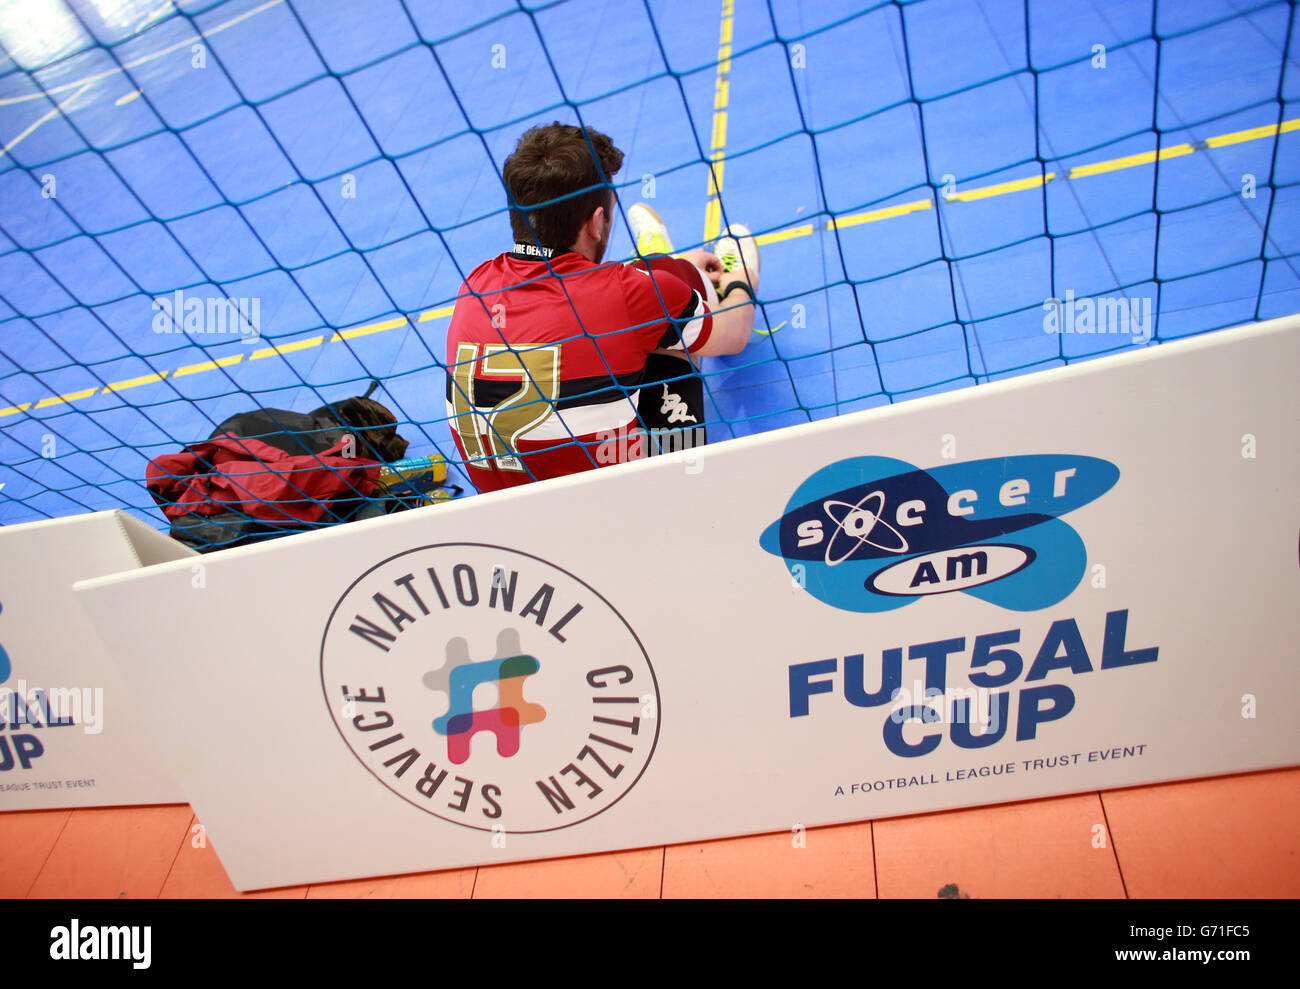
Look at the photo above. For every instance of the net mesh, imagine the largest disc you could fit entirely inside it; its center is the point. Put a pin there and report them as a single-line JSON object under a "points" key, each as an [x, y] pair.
{"points": [[207, 208]]}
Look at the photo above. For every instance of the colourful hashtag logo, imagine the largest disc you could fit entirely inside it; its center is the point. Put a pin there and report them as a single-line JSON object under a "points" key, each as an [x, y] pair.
{"points": [[458, 679]]}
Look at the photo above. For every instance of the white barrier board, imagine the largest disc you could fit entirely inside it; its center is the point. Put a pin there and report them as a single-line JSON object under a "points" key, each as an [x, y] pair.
{"points": [[71, 733], [1082, 579]]}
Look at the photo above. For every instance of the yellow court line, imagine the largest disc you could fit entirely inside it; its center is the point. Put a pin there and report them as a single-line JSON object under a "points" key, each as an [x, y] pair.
{"points": [[435, 314], [1252, 134], [144, 379], [719, 131], [1002, 188], [74, 396], [286, 348], [776, 236], [180, 372], [362, 331], [149, 379], [902, 209], [1131, 161], [788, 234], [718, 136]]}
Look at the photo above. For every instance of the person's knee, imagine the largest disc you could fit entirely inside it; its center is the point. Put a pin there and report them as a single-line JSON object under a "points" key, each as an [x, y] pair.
{"points": [[680, 267]]}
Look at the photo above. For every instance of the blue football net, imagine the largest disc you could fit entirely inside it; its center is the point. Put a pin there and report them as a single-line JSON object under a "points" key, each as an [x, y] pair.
{"points": [[208, 208]]}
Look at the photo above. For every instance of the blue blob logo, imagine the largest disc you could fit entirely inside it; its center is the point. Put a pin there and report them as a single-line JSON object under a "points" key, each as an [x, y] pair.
{"points": [[873, 534]]}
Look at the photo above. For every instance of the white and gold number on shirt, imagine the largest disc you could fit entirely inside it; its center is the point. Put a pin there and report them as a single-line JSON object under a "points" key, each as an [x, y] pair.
{"points": [[495, 432]]}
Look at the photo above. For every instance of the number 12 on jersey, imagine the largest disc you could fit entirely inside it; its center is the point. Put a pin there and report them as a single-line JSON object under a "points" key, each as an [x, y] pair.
{"points": [[491, 436]]}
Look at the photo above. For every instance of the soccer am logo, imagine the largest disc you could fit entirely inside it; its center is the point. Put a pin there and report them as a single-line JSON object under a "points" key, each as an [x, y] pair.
{"points": [[872, 534], [490, 688]]}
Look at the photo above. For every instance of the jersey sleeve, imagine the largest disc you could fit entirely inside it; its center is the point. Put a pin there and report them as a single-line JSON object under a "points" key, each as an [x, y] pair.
{"points": [[667, 313]]}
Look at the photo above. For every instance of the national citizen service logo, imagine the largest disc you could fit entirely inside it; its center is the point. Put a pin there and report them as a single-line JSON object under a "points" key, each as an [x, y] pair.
{"points": [[490, 688], [872, 533]]}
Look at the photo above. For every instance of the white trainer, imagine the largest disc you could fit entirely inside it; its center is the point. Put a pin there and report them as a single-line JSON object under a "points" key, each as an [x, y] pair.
{"points": [[649, 230], [738, 252]]}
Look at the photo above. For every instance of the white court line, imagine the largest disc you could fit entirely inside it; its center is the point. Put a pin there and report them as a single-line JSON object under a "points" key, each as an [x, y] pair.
{"points": [[58, 109], [10, 100]]}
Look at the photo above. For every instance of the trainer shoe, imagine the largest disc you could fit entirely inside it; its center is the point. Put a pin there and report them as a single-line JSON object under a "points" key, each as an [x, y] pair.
{"points": [[650, 233], [738, 252]]}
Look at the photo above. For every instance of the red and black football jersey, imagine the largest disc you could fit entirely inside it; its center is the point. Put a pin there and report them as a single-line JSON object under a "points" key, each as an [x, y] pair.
{"points": [[546, 354]]}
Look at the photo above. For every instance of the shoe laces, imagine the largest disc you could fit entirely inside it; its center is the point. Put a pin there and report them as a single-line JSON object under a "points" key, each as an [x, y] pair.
{"points": [[652, 242]]}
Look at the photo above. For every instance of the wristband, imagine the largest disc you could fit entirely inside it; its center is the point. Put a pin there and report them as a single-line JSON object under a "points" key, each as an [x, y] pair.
{"points": [[739, 283]]}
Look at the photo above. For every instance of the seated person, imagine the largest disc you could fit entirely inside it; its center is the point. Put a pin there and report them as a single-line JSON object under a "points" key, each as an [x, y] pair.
{"points": [[547, 349]]}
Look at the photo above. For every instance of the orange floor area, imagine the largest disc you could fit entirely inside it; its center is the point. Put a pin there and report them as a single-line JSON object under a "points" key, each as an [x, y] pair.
{"points": [[1234, 836]]}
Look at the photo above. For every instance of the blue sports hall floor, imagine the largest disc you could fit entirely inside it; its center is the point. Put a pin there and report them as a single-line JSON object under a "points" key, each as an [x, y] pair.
{"points": [[922, 177]]}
